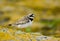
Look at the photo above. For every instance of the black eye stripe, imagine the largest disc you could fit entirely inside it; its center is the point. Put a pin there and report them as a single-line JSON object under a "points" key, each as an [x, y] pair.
{"points": [[31, 15]]}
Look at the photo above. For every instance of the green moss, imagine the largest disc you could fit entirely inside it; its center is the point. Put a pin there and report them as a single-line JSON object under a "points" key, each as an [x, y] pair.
{"points": [[28, 29]]}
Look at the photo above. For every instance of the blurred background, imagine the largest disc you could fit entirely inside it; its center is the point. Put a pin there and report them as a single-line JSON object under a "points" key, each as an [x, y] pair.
{"points": [[47, 15]]}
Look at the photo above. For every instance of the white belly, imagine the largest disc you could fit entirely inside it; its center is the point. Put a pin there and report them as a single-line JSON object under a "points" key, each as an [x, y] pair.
{"points": [[25, 25]]}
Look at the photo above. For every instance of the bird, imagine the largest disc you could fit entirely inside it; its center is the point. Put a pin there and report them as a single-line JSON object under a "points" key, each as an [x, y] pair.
{"points": [[24, 21]]}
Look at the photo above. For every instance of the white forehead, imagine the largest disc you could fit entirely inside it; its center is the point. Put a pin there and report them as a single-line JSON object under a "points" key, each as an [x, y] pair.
{"points": [[31, 14]]}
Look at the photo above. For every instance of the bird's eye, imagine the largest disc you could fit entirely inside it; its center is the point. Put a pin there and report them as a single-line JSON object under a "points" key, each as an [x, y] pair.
{"points": [[31, 15]]}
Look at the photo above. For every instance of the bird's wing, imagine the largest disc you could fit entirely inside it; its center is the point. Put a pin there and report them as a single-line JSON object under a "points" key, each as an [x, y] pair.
{"points": [[22, 21]]}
